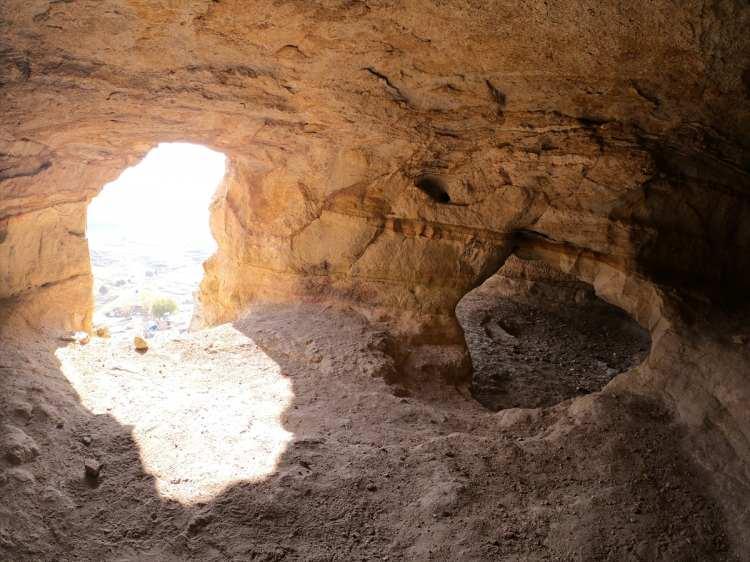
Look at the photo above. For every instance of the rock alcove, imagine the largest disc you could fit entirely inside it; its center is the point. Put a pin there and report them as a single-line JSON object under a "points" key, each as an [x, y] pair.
{"points": [[537, 337], [606, 146]]}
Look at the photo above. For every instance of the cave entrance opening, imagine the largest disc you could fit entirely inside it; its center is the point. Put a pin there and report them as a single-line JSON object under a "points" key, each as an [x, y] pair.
{"points": [[538, 337], [149, 234]]}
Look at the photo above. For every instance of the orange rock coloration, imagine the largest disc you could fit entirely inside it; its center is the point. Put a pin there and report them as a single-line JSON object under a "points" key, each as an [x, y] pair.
{"points": [[391, 156]]}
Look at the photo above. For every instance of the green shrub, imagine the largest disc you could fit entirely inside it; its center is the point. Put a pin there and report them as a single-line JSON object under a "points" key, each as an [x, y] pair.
{"points": [[163, 306]]}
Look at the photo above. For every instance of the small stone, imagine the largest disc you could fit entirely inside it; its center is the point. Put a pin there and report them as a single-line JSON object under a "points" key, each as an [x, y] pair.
{"points": [[86, 440], [400, 391], [19, 448], [20, 475], [22, 409], [53, 496], [101, 331], [509, 535], [92, 468], [140, 344], [198, 523], [81, 338]]}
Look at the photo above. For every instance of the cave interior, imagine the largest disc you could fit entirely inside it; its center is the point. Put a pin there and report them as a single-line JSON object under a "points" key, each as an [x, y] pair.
{"points": [[479, 289]]}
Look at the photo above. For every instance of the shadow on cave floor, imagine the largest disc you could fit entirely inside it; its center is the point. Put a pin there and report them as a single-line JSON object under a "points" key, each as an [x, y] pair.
{"points": [[535, 346], [362, 474]]}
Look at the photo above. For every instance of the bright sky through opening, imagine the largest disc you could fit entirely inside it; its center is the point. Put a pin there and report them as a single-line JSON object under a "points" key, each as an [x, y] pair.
{"points": [[164, 199], [149, 235]]}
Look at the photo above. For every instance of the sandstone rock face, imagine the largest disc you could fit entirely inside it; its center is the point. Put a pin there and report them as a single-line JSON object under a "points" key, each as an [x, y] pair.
{"points": [[391, 156]]}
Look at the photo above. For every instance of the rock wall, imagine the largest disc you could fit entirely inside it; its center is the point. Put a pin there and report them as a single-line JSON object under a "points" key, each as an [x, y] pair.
{"points": [[390, 156]]}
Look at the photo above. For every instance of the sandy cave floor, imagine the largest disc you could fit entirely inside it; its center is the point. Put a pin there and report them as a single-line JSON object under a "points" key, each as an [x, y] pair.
{"points": [[276, 439]]}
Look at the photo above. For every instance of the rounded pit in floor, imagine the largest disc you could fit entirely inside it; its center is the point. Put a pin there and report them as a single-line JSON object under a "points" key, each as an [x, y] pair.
{"points": [[534, 343]]}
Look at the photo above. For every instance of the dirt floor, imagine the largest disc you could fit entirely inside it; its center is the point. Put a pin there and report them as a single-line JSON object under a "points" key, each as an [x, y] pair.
{"points": [[276, 439]]}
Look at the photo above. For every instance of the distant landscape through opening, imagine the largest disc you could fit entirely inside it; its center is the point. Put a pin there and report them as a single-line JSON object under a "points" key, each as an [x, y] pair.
{"points": [[149, 235]]}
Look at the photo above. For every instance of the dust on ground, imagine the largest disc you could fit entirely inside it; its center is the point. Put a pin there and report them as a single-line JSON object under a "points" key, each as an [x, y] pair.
{"points": [[276, 438]]}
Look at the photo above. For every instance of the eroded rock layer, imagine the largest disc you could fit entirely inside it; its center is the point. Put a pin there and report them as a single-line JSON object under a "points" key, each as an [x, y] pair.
{"points": [[391, 156]]}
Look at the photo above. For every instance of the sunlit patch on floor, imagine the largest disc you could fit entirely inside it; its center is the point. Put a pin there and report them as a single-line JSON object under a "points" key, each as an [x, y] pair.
{"points": [[206, 410]]}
